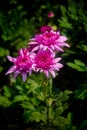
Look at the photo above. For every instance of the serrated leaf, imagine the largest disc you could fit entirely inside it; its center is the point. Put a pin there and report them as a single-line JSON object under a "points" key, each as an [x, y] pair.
{"points": [[20, 98], [61, 122], [3, 52], [70, 117], [4, 101], [58, 110], [28, 105], [63, 22], [1, 68], [7, 91], [33, 85], [78, 62], [19, 88], [41, 96], [36, 116], [66, 94], [63, 9], [81, 93], [35, 101], [83, 125], [80, 67], [83, 47]]}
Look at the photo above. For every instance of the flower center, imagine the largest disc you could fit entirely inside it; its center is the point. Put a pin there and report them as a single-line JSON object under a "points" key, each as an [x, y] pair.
{"points": [[23, 63], [43, 60]]}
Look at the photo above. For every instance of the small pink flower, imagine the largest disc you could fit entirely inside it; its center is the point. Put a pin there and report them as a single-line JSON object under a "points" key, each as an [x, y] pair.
{"points": [[23, 64], [45, 28], [51, 40], [50, 14], [46, 62]]}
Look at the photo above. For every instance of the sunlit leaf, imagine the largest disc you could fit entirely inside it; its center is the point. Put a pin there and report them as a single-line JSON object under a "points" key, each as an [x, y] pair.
{"points": [[4, 101]]}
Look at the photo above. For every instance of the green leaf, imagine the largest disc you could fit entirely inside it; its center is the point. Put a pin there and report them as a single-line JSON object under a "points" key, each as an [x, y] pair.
{"points": [[63, 9], [81, 93], [63, 22], [41, 96], [78, 65], [70, 117], [3, 52], [20, 98], [44, 117], [60, 121], [7, 91], [4, 101], [63, 96], [35, 101], [78, 62], [36, 116], [1, 68], [32, 116], [19, 88], [83, 47], [58, 110], [43, 6], [33, 85], [83, 125], [28, 105]]}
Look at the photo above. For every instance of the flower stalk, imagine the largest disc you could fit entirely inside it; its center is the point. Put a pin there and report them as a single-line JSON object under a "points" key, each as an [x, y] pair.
{"points": [[48, 95]]}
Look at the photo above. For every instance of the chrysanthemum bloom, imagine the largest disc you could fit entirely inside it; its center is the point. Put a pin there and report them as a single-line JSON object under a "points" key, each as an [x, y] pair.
{"points": [[50, 14], [45, 28], [22, 64], [46, 62], [51, 40]]}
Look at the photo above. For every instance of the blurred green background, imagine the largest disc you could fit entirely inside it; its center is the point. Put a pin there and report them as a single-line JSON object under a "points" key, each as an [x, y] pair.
{"points": [[19, 21]]}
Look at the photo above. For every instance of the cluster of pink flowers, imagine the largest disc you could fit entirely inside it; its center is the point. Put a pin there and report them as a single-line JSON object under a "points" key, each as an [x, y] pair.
{"points": [[40, 55]]}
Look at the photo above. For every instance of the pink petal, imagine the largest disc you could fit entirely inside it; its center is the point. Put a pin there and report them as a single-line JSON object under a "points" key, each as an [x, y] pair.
{"points": [[16, 74], [21, 52], [56, 60], [11, 70], [67, 45], [11, 58], [47, 73], [59, 49], [32, 43], [35, 48], [53, 73], [62, 38], [24, 76], [52, 47], [59, 65], [58, 33]]}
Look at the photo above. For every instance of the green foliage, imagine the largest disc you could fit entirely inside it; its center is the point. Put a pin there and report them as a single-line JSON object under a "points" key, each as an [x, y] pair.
{"points": [[81, 93], [73, 23], [70, 125], [4, 101], [83, 47], [32, 98], [7, 92], [78, 65], [83, 125], [3, 52]]}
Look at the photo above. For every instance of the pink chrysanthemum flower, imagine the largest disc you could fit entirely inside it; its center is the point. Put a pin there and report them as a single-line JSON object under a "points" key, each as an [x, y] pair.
{"points": [[51, 40], [23, 64], [45, 28], [46, 62]]}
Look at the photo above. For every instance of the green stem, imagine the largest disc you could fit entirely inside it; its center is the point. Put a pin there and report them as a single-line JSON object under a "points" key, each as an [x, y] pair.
{"points": [[47, 89], [48, 92], [48, 118]]}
